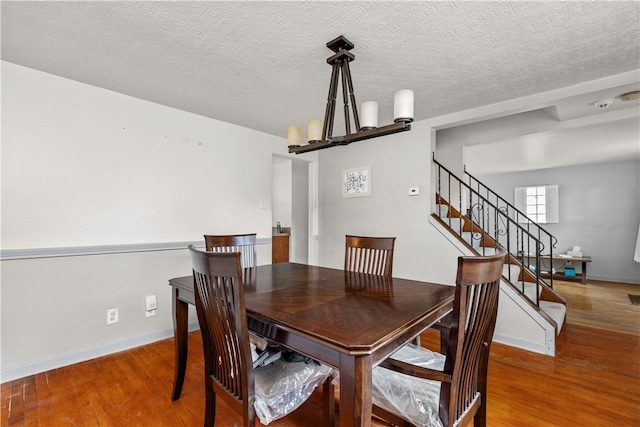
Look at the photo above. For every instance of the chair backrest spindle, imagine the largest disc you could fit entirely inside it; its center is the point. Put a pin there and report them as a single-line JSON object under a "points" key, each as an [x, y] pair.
{"points": [[243, 243], [369, 255]]}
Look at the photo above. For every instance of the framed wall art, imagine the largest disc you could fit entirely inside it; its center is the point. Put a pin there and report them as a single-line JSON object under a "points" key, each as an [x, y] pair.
{"points": [[356, 182]]}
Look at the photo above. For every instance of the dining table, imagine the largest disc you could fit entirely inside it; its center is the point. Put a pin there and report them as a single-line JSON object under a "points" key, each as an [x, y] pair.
{"points": [[350, 321]]}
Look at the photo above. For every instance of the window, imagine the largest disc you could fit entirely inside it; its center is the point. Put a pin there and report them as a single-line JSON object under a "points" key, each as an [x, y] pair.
{"points": [[539, 203], [536, 204]]}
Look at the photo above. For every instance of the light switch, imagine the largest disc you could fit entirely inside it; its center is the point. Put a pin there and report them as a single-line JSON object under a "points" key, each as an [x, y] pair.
{"points": [[150, 303], [413, 191]]}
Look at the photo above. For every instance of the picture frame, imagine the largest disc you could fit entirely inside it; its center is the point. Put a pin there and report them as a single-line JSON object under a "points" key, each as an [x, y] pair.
{"points": [[356, 182]]}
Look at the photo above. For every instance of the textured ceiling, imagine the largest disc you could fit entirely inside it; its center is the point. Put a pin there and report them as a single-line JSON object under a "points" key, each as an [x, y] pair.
{"points": [[263, 64]]}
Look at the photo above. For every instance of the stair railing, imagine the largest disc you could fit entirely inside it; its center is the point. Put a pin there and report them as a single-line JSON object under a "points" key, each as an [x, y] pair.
{"points": [[542, 235], [490, 215]]}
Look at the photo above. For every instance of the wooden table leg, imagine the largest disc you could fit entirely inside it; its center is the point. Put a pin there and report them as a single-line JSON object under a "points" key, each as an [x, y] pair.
{"points": [[355, 391], [180, 311]]}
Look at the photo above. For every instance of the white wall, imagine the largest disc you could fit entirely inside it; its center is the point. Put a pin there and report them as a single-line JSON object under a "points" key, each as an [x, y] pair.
{"points": [[53, 308], [398, 162], [86, 166], [519, 330], [599, 207]]}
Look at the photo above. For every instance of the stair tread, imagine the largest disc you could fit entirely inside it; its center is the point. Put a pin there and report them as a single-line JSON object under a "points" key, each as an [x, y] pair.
{"points": [[454, 223], [529, 289], [557, 311]]}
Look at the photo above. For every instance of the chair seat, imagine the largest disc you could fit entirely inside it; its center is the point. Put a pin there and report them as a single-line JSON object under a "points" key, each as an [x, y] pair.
{"points": [[281, 387], [414, 399]]}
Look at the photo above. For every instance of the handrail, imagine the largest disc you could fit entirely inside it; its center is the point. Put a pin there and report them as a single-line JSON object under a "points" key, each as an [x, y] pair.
{"points": [[542, 233], [496, 218]]}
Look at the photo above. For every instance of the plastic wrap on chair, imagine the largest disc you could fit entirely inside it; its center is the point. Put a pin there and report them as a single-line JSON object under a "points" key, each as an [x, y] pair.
{"points": [[282, 386], [414, 399]]}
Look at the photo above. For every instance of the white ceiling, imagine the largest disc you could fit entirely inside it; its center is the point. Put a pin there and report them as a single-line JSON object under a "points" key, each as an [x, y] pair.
{"points": [[263, 64], [599, 142]]}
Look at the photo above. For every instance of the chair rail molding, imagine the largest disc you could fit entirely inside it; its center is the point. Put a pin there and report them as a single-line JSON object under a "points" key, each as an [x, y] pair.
{"points": [[65, 251]]}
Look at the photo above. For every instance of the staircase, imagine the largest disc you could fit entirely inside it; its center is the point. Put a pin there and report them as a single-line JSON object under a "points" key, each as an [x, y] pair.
{"points": [[477, 221]]}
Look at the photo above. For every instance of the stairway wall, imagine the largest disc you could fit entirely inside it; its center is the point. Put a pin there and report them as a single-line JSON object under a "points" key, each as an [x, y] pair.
{"points": [[519, 330], [518, 324]]}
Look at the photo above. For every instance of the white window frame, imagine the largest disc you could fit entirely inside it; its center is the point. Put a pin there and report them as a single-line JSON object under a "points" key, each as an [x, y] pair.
{"points": [[549, 203]]}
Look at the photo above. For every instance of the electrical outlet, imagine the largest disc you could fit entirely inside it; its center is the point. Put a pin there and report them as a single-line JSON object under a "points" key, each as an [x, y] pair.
{"points": [[112, 316]]}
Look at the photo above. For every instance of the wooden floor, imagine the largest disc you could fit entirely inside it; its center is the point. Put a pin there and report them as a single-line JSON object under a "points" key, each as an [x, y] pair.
{"points": [[593, 381], [602, 305]]}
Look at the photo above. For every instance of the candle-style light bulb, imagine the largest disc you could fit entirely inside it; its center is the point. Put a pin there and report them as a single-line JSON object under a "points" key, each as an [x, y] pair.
{"points": [[403, 106], [314, 130], [294, 136], [368, 115]]}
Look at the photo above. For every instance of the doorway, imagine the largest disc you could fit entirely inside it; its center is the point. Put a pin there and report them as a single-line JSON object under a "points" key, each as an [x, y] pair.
{"points": [[290, 203]]}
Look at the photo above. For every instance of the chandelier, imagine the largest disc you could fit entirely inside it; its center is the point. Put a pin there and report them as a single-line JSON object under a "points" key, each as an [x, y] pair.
{"points": [[320, 133]]}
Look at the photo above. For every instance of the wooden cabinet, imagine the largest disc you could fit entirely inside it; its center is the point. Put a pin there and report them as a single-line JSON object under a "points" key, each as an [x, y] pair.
{"points": [[279, 248]]}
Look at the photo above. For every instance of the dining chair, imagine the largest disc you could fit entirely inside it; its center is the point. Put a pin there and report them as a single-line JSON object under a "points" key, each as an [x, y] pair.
{"points": [[243, 243], [269, 392], [416, 386], [369, 255]]}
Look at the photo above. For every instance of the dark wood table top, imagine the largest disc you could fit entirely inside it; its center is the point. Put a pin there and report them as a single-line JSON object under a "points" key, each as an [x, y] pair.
{"points": [[352, 313]]}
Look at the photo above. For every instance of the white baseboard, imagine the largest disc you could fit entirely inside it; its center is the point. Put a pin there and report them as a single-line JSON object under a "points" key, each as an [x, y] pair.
{"points": [[630, 280], [525, 345], [67, 359]]}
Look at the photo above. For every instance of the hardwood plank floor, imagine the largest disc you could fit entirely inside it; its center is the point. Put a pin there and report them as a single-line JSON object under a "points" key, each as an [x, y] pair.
{"points": [[593, 381], [602, 305]]}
